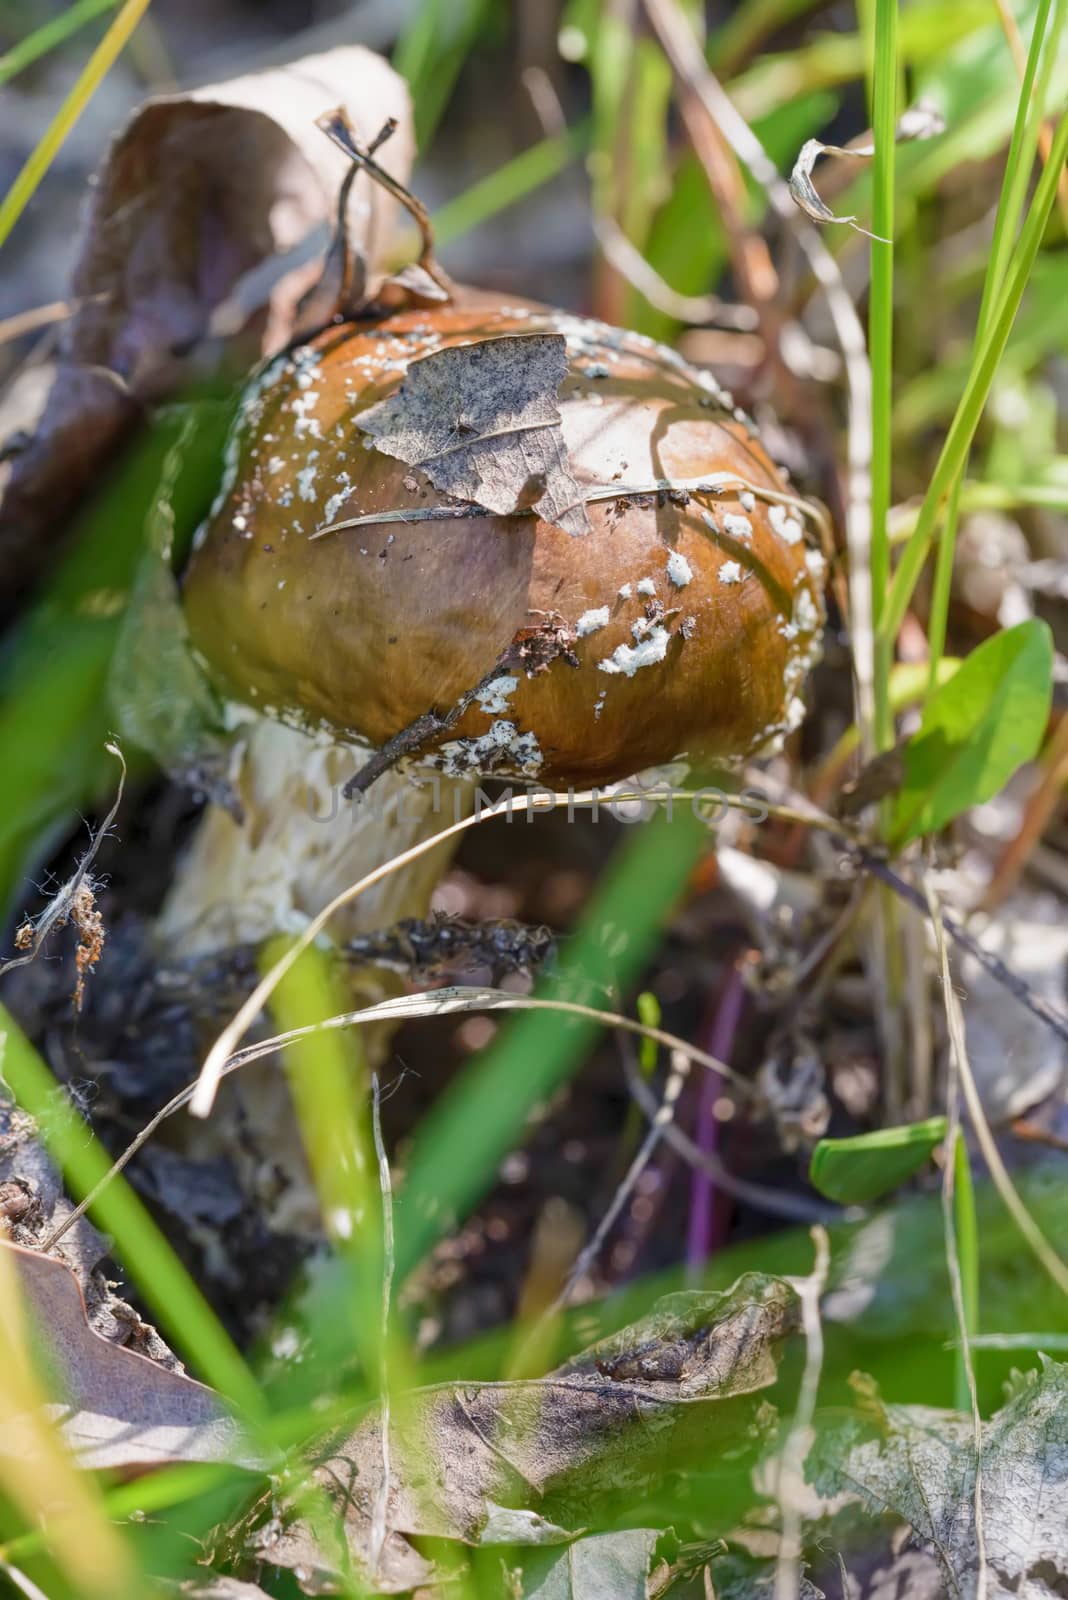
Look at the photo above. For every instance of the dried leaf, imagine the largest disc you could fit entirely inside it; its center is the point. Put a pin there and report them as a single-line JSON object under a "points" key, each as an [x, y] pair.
{"points": [[921, 1468], [196, 194], [465, 1454], [921, 121], [119, 1410], [481, 421]]}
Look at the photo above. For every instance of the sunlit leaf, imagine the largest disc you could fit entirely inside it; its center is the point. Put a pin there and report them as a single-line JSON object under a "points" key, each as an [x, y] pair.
{"points": [[859, 1170], [977, 730]]}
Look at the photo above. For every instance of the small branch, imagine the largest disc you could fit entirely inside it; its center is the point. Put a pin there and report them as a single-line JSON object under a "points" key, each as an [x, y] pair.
{"points": [[629, 262], [713, 484], [1036, 1003], [64, 903], [791, 1486], [338, 127], [791, 1207], [957, 1054], [677, 1077]]}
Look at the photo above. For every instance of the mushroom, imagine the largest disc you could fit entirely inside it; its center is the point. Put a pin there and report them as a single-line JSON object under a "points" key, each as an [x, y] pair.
{"points": [[466, 540], [647, 594]]}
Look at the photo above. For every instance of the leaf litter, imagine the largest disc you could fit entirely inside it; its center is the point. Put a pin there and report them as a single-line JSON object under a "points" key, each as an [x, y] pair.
{"points": [[482, 422]]}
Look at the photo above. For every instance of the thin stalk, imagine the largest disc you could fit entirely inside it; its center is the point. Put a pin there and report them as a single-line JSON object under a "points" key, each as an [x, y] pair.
{"points": [[1026, 133], [48, 146], [938, 620], [881, 337], [966, 1228], [973, 401]]}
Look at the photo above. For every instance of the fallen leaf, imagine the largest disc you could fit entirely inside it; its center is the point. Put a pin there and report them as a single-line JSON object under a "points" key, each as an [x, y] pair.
{"points": [[482, 422], [921, 121], [119, 1410], [920, 1467], [195, 196], [465, 1455]]}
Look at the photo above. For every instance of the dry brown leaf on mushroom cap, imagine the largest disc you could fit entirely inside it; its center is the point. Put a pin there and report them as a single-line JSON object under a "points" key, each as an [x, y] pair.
{"points": [[195, 197], [481, 421]]}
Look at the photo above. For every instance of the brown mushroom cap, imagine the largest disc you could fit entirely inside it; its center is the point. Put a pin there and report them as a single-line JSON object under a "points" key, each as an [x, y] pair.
{"points": [[692, 618]]}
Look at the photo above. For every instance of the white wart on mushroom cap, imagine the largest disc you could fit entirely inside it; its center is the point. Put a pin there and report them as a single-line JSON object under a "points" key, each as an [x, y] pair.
{"points": [[571, 621]]}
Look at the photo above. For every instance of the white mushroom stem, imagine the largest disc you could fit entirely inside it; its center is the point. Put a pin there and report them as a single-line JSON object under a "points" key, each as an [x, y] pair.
{"points": [[300, 844]]}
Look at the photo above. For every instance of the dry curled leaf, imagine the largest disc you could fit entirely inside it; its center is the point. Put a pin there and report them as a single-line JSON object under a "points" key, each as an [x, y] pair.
{"points": [[471, 1460], [921, 121], [920, 1467], [482, 422], [195, 197], [118, 1410]]}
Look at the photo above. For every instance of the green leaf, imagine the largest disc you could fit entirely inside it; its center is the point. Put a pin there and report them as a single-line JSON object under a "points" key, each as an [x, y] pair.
{"points": [[977, 729], [857, 1171], [602, 1564]]}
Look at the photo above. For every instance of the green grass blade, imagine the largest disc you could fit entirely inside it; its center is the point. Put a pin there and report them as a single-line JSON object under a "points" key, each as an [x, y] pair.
{"points": [[984, 366], [102, 59], [175, 1301], [510, 183], [50, 35], [482, 1115], [431, 52], [1030, 112], [966, 1229], [881, 340]]}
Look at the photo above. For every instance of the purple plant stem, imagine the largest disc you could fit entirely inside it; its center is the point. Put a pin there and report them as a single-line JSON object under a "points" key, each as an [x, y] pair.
{"points": [[718, 1040]]}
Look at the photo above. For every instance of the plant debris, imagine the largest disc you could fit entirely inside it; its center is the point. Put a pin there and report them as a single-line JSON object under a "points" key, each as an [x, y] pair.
{"points": [[481, 421]]}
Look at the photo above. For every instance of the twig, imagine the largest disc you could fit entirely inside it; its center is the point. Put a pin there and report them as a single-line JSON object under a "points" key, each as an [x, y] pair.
{"points": [[791, 1485], [338, 127], [677, 1076], [1036, 1003], [380, 1514], [64, 902], [957, 1057], [794, 1208], [716, 484], [352, 267], [1045, 134], [211, 1071], [629, 262], [1022, 1129]]}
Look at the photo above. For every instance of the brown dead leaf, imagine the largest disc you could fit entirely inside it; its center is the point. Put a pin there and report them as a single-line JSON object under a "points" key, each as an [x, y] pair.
{"points": [[196, 194], [471, 1460], [481, 421], [119, 1410]]}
